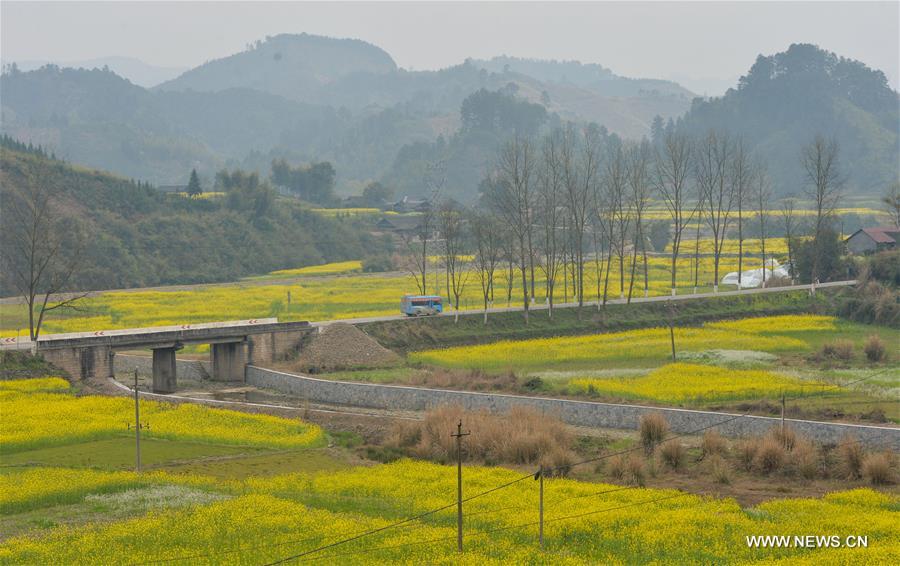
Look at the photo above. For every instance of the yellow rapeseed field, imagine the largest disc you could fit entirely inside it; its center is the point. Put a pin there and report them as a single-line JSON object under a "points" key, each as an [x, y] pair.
{"points": [[263, 519], [778, 324], [681, 382], [616, 346], [32, 419], [269, 521], [326, 298], [336, 268]]}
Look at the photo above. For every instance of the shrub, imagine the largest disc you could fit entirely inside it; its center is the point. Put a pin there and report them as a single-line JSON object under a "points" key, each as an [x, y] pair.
{"points": [[635, 472], [851, 456], [653, 429], [874, 349], [804, 459], [770, 456], [784, 436], [524, 436], [838, 350], [713, 444], [616, 467], [876, 468], [377, 263], [673, 453], [629, 468], [719, 469], [747, 450]]}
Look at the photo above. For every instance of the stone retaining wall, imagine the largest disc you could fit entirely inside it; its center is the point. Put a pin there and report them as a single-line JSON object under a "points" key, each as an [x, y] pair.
{"points": [[196, 370], [581, 413]]}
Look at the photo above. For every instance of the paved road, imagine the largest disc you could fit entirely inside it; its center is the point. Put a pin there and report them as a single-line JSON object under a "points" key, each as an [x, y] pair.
{"points": [[22, 342], [593, 304]]}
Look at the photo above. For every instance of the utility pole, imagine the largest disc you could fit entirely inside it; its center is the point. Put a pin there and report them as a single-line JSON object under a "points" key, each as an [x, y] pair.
{"points": [[459, 517], [540, 477], [137, 425], [782, 414]]}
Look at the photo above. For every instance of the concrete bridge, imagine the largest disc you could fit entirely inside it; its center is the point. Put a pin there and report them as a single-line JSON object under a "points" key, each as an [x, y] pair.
{"points": [[233, 345]]}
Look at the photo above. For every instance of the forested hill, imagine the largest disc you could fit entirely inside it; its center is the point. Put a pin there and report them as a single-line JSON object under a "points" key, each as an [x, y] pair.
{"points": [[133, 235], [786, 98], [587, 75], [293, 66]]}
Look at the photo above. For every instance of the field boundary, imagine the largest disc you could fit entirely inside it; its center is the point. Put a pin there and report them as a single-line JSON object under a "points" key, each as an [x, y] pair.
{"points": [[579, 413]]}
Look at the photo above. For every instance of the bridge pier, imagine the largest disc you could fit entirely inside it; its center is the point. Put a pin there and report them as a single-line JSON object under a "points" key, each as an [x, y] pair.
{"points": [[164, 374], [228, 361]]}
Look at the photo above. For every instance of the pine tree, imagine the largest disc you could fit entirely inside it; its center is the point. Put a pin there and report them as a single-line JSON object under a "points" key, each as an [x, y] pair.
{"points": [[193, 188]]}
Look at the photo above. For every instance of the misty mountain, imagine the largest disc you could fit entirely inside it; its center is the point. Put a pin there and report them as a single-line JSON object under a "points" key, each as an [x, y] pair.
{"points": [[135, 70], [586, 75], [296, 67], [299, 97], [306, 98], [786, 98]]}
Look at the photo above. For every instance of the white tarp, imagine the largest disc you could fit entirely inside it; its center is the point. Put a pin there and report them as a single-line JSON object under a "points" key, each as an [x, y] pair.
{"points": [[753, 278]]}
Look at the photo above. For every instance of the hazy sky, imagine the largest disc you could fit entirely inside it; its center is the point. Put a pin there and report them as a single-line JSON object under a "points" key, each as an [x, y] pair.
{"points": [[689, 42]]}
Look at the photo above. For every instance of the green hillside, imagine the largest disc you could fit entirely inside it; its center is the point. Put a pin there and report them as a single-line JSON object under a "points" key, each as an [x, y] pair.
{"points": [[134, 235], [787, 98]]}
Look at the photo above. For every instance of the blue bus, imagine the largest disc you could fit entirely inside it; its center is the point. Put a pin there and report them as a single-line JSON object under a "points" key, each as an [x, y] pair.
{"points": [[421, 305]]}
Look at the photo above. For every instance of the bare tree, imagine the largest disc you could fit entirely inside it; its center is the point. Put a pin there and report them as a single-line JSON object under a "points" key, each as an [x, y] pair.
{"points": [[41, 250], [713, 165], [417, 240], [616, 181], [511, 195], [742, 176], [639, 196], [823, 187], [550, 212], [488, 250], [580, 155], [451, 222], [891, 202], [789, 221], [673, 165], [762, 194]]}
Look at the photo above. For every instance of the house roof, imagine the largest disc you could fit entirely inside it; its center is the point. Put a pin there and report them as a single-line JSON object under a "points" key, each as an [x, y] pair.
{"points": [[880, 235], [400, 222]]}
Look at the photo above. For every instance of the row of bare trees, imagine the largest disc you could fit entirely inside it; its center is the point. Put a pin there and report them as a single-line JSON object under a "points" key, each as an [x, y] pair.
{"points": [[554, 205]]}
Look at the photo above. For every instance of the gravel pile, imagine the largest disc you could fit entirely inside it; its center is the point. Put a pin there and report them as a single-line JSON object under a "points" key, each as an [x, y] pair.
{"points": [[342, 346]]}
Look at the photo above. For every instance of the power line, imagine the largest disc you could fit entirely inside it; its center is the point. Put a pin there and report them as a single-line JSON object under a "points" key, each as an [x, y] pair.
{"points": [[506, 528]]}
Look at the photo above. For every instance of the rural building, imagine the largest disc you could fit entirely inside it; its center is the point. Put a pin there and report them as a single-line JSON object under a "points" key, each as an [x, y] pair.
{"points": [[870, 240], [407, 204]]}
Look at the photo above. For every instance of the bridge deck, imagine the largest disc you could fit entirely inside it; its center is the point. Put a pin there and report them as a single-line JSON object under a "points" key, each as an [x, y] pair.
{"points": [[183, 333]]}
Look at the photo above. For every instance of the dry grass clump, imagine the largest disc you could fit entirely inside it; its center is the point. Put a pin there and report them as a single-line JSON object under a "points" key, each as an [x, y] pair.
{"points": [[673, 454], [629, 468], [713, 444], [770, 455], [805, 459], [524, 436], [851, 454], [784, 436], [878, 468], [838, 350], [719, 469], [874, 349], [746, 452], [653, 429]]}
